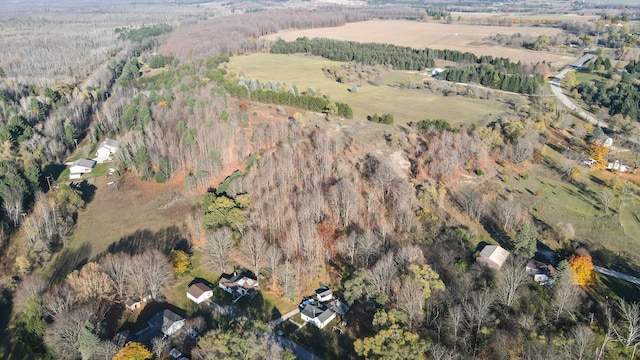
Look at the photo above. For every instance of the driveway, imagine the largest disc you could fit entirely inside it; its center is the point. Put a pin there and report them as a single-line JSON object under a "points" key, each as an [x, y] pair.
{"points": [[616, 274]]}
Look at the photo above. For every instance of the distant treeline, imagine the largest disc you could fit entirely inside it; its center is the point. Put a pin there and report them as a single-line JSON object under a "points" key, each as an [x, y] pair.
{"points": [[498, 73], [495, 78]]}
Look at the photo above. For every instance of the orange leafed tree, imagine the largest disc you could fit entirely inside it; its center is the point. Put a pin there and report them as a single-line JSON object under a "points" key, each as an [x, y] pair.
{"points": [[599, 154], [582, 269], [133, 351]]}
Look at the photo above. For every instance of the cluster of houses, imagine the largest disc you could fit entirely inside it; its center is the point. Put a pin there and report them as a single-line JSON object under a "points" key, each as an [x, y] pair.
{"points": [[494, 257], [105, 153]]}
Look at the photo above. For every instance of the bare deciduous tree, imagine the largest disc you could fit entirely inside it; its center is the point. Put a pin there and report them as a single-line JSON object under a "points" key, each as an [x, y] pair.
{"points": [[254, 248], [31, 287], [582, 343], [160, 347], [509, 212], [115, 266], [63, 336], [382, 274], [510, 279], [566, 296], [410, 300], [629, 331], [218, 247], [60, 299]]}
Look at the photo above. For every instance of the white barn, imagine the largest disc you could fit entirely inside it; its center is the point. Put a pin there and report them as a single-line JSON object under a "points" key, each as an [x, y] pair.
{"points": [[199, 292]]}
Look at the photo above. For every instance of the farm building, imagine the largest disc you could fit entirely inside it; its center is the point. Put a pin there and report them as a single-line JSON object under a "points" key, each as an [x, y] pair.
{"points": [[80, 167], [493, 256], [199, 292]]}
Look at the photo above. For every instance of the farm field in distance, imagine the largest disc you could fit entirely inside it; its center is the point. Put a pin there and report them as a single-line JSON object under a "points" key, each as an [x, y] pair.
{"points": [[467, 38], [404, 104]]}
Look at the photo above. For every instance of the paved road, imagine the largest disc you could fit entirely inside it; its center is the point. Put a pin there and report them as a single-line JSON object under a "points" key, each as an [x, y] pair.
{"points": [[283, 318], [619, 275], [557, 90], [299, 351]]}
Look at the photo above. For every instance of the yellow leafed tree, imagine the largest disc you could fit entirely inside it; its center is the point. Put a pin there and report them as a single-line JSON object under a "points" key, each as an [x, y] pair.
{"points": [[133, 351], [599, 154], [582, 269]]}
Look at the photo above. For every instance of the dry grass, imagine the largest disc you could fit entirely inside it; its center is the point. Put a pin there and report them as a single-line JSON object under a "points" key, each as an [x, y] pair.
{"points": [[437, 36], [114, 214]]}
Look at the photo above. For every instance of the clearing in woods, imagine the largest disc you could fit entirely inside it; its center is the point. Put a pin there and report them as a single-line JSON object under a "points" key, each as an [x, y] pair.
{"points": [[404, 104], [468, 38]]}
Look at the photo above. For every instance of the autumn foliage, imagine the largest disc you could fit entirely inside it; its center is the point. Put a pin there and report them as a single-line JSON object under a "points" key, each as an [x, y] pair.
{"points": [[582, 269], [599, 153], [133, 351]]}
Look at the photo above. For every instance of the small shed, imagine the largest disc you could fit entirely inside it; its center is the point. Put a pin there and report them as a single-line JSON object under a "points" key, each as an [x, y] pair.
{"points": [[108, 147], [324, 294], [493, 256]]}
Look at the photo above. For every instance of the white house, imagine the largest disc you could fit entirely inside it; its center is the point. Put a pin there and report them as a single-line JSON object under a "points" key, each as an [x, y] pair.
{"points": [[324, 294], [167, 321], [317, 314], [199, 292], [240, 284], [493, 256], [79, 167], [107, 148]]}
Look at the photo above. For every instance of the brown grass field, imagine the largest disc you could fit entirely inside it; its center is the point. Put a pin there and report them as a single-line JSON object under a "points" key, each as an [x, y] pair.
{"points": [[437, 36]]}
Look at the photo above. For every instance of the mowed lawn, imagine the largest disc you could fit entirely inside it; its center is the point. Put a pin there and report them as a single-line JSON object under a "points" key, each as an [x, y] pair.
{"points": [[404, 104]]}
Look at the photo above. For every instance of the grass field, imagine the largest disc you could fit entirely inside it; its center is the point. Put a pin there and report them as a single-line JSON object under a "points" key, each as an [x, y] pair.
{"points": [[113, 213], [404, 104], [563, 205], [435, 35]]}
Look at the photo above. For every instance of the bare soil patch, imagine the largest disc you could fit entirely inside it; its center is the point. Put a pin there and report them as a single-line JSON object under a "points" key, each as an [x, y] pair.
{"points": [[460, 37]]}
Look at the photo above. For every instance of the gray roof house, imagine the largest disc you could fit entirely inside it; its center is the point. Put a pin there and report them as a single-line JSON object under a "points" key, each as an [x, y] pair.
{"points": [[168, 321], [317, 314], [79, 167]]}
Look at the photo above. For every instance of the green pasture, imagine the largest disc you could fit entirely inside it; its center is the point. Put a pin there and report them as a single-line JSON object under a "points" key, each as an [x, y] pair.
{"points": [[563, 204], [404, 104], [582, 77]]}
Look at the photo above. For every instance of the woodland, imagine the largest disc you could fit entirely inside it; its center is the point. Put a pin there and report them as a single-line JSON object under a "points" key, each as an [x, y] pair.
{"points": [[391, 221]]}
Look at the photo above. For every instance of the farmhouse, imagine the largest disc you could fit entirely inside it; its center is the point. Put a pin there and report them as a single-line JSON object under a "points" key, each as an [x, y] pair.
{"points": [[493, 256], [240, 284], [107, 148], [167, 321], [199, 292], [79, 167], [317, 314]]}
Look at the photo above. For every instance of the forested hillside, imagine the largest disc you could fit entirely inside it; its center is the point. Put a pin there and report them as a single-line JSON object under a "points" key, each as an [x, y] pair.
{"points": [[293, 189]]}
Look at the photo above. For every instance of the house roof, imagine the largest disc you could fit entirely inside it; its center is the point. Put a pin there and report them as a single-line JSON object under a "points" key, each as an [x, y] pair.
{"points": [[84, 163], [324, 291], [196, 290], [239, 280], [164, 319], [111, 143], [495, 254], [313, 310]]}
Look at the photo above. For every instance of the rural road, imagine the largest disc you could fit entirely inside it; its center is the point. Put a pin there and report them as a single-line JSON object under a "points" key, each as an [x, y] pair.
{"points": [[557, 90], [619, 275]]}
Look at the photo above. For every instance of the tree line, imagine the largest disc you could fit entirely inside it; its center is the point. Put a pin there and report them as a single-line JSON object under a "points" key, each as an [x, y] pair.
{"points": [[494, 78]]}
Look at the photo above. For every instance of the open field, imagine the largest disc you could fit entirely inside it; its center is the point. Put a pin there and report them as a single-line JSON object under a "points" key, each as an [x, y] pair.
{"points": [[114, 214], [523, 17], [404, 104], [437, 36], [576, 211]]}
